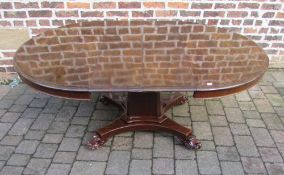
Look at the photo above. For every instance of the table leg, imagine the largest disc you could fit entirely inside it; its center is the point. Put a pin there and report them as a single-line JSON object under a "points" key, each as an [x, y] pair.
{"points": [[144, 111]]}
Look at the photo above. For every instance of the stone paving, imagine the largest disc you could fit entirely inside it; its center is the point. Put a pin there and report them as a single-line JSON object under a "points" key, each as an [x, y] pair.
{"points": [[241, 134]]}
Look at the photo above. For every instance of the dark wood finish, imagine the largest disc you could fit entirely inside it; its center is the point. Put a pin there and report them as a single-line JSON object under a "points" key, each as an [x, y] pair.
{"points": [[78, 95], [224, 92], [145, 112]]}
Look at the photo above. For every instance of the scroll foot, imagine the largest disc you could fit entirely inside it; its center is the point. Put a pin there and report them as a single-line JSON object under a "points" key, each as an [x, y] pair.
{"points": [[191, 143], [104, 100], [95, 143], [182, 100]]}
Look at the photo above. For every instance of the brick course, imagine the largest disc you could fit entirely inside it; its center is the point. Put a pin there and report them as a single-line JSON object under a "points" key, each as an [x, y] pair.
{"points": [[261, 21]]}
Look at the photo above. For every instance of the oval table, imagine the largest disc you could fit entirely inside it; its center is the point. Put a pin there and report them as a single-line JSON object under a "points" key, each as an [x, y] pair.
{"points": [[142, 58]]}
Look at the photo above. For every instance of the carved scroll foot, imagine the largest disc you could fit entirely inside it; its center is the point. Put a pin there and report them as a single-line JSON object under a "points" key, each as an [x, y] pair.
{"points": [[95, 143], [175, 100], [191, 143]]}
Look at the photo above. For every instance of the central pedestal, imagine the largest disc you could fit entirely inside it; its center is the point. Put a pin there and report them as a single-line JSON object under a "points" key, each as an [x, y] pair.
{"points": [[144, 111]]}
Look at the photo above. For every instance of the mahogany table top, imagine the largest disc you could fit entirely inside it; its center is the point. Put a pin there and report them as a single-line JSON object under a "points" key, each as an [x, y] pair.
{"points": [[140, 56]]}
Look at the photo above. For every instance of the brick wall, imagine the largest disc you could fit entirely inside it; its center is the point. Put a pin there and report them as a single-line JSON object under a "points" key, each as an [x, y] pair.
{"points": [[261, 20]]}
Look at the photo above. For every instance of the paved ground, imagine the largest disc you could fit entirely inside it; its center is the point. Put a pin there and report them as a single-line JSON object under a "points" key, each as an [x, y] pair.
{"points": [[241, 134]]}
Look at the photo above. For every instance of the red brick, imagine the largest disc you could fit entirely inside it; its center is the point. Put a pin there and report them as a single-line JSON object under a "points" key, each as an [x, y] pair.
{"points": [[271, 6], [276, 23], [129, 5], [6, 5], [31, 23], [79, 5], [20, 5], [178, 5], [5, 23], [40, 13], [243, 5], [18, 23], [214, 14], [104, 5], [154, 4], [268, 15], [66, 14], [44, 22], [237, 14], [92, 14], [224, 5], [15, 14], [280, 15], [148, 13], [48, 4], [166, 13], [117, 13], [184, 13], [201, 5]]}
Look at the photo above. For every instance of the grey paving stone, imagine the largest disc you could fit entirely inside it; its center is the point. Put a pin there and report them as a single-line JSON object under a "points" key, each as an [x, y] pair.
{"points": [[196, 101], [52, 108], [198, 113], [69, 144], [4, 128], [275, 99], [41, 124], [80, 121], [141, 153], [214, 108], [140, 167], [256, 94], [5, 152], [2, 112], [118, 162], [279, 76], [11, 140], [253, 165], [88, 168], [202, 130], [263, 105], [270, 154], [278, 136], [64, 157], [37, 166], [185, 167], [38, 102], [122, 143], [262, 137], [85, 109], [34, 135], [105, 115], [275, 168], [247, 106], [97, 155], [246, 146], [222, 136], [52, 138], [2, 163], [65, 113], [184, 121], [229, 101], [18, 108], [46, 116], [58, 127], [163, 147], [234, 115], [272, 121], [251, 114], [208, 162], [21, 126], [19, 160], [268, 89], [279, 111], [163, 166], [239, 129], [11, 170], [143, 140], [27, 147], [207, 145], [97, 124], [183, 153], [182, 110], [243, 96], [74, 103], [228, 153], [6, 103], [31, 113], [10, 117], [58, 169], [232, 168], [218, 120], [75, 131], [45, 150], [255, 123]]}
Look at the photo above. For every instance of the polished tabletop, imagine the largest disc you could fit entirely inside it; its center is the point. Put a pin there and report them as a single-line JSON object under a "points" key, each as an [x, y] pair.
{"points": [[140, 56]]}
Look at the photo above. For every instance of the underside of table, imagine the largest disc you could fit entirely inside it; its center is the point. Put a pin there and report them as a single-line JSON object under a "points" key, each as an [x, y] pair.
{"points": [[144, 111]]}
